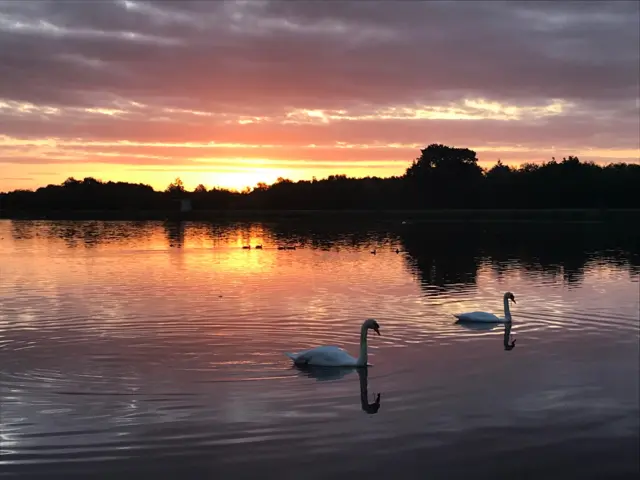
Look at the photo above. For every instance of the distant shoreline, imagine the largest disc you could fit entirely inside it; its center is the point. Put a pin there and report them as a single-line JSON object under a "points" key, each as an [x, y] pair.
{"points": [[438, 215]]}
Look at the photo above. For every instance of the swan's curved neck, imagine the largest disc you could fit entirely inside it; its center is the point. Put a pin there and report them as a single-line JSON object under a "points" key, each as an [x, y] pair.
{"points": [[362, 358], [507, 312]]}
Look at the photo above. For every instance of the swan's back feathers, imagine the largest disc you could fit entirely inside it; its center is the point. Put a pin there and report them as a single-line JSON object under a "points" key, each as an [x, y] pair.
{"points": [[329, 356], [478, 317]]}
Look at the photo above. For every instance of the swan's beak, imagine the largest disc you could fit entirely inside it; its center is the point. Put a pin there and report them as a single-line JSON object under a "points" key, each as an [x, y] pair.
{"points": [[377, 331]]}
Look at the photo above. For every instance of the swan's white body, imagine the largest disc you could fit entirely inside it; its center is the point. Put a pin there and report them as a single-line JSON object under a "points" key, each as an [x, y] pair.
{"points": [[332, 356], [480, 317], [485, 317], [327, 356]]}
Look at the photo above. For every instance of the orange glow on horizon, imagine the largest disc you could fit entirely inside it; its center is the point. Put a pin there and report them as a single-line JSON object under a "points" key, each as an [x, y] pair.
{"points": [[156, 99], [239, 178]]}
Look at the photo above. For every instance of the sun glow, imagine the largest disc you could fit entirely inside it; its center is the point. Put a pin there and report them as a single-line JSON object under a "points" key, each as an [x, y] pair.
{"points": [[242, 178]]}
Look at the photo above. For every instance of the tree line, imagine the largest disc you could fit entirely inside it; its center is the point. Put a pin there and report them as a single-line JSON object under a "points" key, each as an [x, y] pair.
{"points": [[442, 177]]}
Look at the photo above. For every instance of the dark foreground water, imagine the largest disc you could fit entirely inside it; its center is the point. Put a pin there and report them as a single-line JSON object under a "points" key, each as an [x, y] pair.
{"points": [[154, 350]]}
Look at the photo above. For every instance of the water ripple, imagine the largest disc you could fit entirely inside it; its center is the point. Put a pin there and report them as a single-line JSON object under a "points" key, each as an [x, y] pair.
{"points": [[130, 346]]}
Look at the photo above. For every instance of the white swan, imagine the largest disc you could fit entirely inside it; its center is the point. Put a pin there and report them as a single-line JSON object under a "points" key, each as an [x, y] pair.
{"points": [[488, 317], [331, 356]]}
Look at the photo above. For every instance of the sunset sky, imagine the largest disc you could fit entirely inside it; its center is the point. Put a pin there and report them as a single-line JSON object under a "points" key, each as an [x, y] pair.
{"points": [[232, 93]]}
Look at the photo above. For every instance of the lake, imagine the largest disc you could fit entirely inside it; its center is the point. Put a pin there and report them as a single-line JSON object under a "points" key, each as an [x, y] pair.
{"points": [[156, 349]]}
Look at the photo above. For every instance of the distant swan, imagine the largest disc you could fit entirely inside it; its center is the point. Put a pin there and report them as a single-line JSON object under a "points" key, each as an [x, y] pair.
{"points": [[488, 317], [331, 356]]}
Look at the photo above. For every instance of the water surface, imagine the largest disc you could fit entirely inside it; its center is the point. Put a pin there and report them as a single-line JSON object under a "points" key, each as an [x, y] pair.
{"points": [[155, 349]]}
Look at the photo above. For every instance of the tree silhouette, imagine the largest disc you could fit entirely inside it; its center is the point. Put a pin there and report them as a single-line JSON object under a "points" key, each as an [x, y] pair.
{"points": [[71, 182], [434, 175], [176, 187], [442, 177]]}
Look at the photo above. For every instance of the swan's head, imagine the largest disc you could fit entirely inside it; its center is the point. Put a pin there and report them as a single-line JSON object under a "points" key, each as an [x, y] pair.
{"points": [[373, 325], [510, 296]]}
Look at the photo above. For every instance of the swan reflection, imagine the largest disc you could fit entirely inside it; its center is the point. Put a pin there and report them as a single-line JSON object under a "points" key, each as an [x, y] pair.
{"points": [[479, 326], [336, 373], [507, 337], [507, 341]]}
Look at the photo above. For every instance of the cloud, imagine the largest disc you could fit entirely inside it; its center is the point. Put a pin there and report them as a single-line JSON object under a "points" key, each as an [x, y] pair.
{"points": [[562, 74], [20, 179]]}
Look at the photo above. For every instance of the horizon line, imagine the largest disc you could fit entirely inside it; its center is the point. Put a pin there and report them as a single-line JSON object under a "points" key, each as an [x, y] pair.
{"points": [[260, 184]]}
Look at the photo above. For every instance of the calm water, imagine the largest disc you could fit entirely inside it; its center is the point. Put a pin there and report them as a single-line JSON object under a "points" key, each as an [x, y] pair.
{"points": [[156, 349]]}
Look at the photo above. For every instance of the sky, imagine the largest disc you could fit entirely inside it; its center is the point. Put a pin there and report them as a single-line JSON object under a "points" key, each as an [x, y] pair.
{"points": [[232, 93]]}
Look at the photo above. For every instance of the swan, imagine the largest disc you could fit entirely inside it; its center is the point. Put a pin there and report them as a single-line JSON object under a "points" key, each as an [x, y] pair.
{"points": [[330, 356], [488, 317]]}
